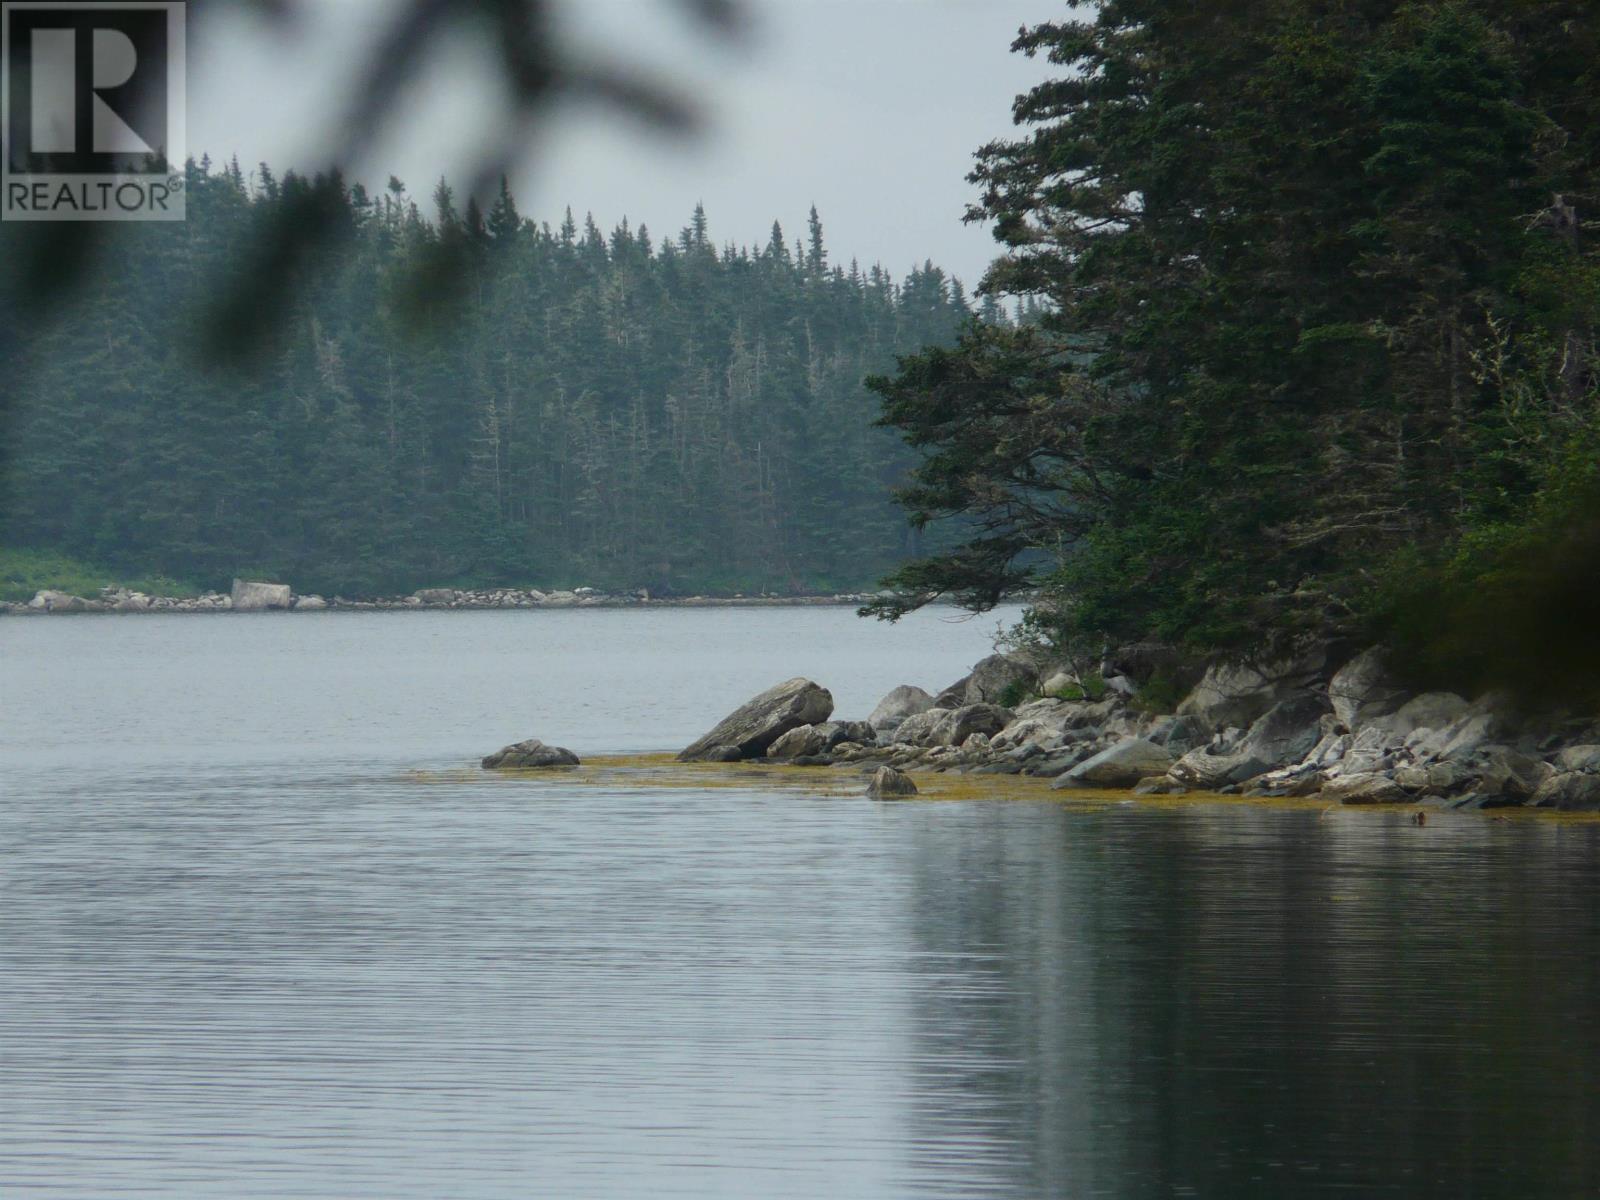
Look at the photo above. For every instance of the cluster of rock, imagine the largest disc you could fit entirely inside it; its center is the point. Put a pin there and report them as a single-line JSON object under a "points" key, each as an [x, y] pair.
{"points": [[1317, 725], [249, 596]]}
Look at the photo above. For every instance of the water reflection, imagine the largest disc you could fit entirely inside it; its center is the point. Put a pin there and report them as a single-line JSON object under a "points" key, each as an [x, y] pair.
{"points": [[1237, 1002]]}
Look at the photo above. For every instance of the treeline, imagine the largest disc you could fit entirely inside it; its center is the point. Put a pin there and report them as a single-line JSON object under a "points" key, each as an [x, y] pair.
{"points": [[464, 397], [1321, 356]]}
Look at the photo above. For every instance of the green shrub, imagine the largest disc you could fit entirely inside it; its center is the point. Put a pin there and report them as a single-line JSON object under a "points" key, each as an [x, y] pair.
{"points": [[25, 572]]}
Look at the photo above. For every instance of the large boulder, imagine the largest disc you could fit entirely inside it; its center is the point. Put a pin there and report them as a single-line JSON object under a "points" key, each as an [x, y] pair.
{"points": [[253, 596], [1212, 767], [987, 719], [1239, 693], [53, 601], [1430, 710], [952, 726], [905, 701], [1361, 689], [989, 681], [1120, 766], [923, 728], [1504, 771], [439, 596], [750, 729], [1585, 759], [1287, 731], [994, 679], [531, 753], [1570, 791]]}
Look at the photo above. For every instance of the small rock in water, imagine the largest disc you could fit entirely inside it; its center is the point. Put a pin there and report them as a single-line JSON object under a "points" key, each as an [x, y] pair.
{"points": [[531, 753], [887, 782]]}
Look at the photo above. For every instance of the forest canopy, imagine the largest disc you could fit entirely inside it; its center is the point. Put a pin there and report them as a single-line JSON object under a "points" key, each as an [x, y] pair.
{"points": [[1319, 358], [575, 406]]}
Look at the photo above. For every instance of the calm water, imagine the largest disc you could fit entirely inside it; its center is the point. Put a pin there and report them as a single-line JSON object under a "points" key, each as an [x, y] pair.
{"points": [[246, 951]]}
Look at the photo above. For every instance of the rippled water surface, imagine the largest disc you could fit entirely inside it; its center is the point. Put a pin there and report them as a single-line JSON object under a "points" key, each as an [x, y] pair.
{"points": [[266, 931]]}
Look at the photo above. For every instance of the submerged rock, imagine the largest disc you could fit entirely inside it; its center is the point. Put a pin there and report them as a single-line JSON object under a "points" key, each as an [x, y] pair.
{"points": [[758, 723], [886, 782], [531, 753]]}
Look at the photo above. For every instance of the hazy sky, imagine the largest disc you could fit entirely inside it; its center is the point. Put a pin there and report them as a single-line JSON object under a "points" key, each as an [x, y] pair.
{"points": [[871, 109]]}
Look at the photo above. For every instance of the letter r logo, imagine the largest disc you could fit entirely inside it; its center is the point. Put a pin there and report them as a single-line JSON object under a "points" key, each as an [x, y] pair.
{"points": [[93, 90]]}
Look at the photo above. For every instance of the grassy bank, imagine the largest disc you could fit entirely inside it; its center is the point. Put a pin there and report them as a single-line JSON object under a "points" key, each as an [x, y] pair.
{"points": [[24, 572]]}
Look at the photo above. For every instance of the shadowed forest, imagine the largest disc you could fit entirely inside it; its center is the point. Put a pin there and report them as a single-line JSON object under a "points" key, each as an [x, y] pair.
{"points": [[578, 406]]}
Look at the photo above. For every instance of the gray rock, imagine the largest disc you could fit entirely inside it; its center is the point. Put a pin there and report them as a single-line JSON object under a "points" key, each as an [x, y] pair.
{"points": [[1286, 732], [1060, 681], [989, 681], [309, 603], [560, 599], [1364, 789], [887, 782], [1461, 739], [1569, 791], [840, 732], [137, 602], [531, 753], [986, 719], [952, 726], [922, 729], [756, 724], [905, 701], [53, 601], [253, 596], [1503, 771], [1580, 758], [1178, 734], [1430, 710], [1159, 785], [1412, 779], [1210, 771], [1023, 733], [1122, 765], [436, 595], [799, 743], [1239, 693], [1361, 690], [995, 676]]}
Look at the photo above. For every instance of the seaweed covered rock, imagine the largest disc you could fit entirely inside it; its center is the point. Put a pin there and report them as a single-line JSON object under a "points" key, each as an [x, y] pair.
{"points": [[887, 782], [531, 753]]}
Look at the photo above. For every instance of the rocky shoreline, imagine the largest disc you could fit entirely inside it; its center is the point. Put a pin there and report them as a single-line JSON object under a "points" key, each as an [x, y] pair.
{"points": [[1323, 724], [248, 596]]}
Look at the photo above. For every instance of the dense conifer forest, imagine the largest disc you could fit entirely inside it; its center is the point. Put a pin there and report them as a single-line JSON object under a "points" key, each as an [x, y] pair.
{"points": [[576, 406], [1322, 346]]}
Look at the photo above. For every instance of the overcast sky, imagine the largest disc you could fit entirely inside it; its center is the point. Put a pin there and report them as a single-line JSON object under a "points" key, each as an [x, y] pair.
{"points": [[871, 109]]}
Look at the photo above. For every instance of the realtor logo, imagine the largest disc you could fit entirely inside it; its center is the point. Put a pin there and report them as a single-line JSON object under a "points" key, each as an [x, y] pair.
{"points": [[91, 110]]}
